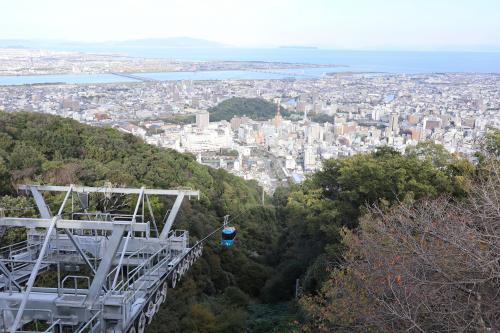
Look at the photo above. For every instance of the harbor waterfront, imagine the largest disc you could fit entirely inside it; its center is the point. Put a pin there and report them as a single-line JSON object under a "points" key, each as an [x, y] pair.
{"points": [[340, 61], [309, 73]]}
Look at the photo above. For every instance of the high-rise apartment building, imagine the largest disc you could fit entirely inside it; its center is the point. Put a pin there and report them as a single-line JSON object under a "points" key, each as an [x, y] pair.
{"points": [[202, 119], [393, 123]]}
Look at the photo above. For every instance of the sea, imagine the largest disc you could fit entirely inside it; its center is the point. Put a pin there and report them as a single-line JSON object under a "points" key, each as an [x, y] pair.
{"points": [[397, 62]]}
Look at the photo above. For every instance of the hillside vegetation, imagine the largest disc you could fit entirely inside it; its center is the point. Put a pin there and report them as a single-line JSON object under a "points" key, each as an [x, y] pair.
{"points": [[356, 234], [423, 264], [258, 109], [37, 148], [254, 108]]}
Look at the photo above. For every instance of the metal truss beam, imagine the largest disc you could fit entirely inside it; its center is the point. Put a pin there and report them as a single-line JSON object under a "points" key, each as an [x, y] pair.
{"points": [[33, 275], [72, 224], [40, 202], [117, 190], [171, 216], [141, 193], [38, 263], [45, 213], [5, 271], [79, 249], [105, 265], [123, 243]]}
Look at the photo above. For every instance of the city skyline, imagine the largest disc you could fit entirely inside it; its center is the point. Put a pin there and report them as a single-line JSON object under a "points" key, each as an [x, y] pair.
{"points": [[372, 25]]}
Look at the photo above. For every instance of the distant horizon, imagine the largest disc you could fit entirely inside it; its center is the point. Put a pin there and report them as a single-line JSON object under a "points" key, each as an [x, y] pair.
{"points": [[216, 44]]}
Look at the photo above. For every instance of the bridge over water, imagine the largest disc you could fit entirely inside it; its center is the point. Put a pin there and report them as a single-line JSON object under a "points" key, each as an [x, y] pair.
{"points": [[134, 77]]}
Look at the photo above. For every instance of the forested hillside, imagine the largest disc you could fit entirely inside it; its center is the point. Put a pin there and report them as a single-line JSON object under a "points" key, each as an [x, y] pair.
{"points": [[257, 109], [37, 148], [421, 264], [356, 234], [254, 108]]}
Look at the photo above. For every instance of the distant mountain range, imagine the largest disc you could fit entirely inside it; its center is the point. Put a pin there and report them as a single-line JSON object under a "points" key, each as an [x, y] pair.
{"points": [[298, 47], [176, 42]]}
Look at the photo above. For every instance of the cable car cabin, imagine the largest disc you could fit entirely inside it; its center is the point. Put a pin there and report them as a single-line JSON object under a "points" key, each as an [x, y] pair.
{"points": [[228, 236]]}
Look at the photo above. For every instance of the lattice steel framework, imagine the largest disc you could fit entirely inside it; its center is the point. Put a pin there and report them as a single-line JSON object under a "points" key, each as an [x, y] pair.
{"points": [[109, 271]]}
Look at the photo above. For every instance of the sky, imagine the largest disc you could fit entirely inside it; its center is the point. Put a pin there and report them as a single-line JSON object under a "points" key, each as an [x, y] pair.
{"points": [[472, 25]]}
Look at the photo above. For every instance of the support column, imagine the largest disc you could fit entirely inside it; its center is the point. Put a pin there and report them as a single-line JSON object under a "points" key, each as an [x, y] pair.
{"points": [[33, 274], [106, 263], [171, 216], [40, 203], [45, 213]]}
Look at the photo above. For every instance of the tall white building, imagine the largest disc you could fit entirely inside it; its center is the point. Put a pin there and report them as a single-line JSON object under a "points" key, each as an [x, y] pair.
{"points": [[309, 158], [202, 119], [314, 132], [393, 123], [290, 162]]}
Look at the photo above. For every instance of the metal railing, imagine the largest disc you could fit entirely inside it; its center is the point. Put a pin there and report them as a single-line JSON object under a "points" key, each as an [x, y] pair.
{"points": [[91, 324], [75, 279], [53, 326]]}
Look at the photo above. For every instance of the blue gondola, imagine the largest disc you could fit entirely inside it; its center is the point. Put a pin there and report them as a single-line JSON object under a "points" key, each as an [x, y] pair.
{"points": [[228, 236]]}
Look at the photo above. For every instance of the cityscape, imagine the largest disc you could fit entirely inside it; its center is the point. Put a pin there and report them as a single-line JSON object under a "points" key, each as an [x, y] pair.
{"points": [[338, 114]]}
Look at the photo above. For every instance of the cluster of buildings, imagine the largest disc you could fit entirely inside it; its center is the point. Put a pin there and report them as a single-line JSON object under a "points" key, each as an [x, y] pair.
{"points": [[315, 119]]}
